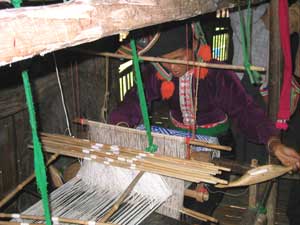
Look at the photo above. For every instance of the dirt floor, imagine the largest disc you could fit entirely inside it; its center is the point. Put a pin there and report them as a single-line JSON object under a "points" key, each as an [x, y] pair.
{"points": [[235, 202]]}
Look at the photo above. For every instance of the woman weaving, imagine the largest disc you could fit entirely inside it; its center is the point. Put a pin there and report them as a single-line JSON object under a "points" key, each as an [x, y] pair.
{"points": [[220, 97]]}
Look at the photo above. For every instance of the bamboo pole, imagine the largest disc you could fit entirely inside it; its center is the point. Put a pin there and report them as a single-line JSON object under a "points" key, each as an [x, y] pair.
{"points": [[116, 206], [152, 169], [209, 145], [18, 223], [197, 215], [88, 144], [171, 173], [133, 159], [81, 146], [56, 219], [24, 183], [175, 61], [129, 155]]}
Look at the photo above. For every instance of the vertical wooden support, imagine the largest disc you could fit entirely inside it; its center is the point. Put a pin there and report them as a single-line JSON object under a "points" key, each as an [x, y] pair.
{"points": [[275, 61], [253, 188], [275, 71]]}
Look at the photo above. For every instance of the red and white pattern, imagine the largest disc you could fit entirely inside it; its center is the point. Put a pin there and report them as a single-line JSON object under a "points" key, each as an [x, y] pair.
{"points": [[186, 99]]}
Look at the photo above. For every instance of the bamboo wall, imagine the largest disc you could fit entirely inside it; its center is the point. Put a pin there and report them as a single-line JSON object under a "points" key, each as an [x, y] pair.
{"points": [[83, 82]]}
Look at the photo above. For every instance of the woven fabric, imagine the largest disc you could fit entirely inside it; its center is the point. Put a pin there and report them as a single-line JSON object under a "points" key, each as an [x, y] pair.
{"points": [[180, 133], [186, 99]]}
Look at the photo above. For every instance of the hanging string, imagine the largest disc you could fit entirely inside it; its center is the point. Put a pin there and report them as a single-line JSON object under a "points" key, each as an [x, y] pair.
{"points": [[106, 95], [77, 94], [191, 130], [62, 96], [200, 37], [245, 30], [151, 147], [73, 89], [244, 192], [39, 165]]}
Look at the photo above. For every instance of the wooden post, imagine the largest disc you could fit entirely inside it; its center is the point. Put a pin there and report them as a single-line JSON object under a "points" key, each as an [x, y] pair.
{"points": [[275, 62], [275, 69], [253, 188]]}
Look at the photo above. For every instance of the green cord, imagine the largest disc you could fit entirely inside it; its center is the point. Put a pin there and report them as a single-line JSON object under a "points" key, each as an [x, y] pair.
{"points": [[39, 165], [200, 36], [253, 75], [261, 209], [16, 3], [151, 148]]}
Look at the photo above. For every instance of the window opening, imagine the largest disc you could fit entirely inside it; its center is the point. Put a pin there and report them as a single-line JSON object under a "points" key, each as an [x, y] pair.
{"points": [[125, 78], [220, 43]]}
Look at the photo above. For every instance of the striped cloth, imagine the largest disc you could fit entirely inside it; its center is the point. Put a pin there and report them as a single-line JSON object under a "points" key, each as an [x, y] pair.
{"points": [[172, 132]]}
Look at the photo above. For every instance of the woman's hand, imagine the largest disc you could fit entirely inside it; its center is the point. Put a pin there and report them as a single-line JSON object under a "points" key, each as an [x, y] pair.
{"points": [[287, 156]]}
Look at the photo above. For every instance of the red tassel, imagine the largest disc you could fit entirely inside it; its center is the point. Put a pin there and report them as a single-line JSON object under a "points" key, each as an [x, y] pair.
{"points": [[159, 76], [200, 72], [167, 89], [281, 124], [205, 53]]}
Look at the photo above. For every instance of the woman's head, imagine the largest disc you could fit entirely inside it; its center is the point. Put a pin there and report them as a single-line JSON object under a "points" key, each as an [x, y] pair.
{"points": [[178, 70]]}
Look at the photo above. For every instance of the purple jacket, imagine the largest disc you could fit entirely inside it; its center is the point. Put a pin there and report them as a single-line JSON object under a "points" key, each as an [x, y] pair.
{"points": [[219, 94]]}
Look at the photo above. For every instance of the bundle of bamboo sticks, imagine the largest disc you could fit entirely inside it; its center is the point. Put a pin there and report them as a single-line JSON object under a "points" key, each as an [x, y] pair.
{"points": [[129, 158], [58, 220]]}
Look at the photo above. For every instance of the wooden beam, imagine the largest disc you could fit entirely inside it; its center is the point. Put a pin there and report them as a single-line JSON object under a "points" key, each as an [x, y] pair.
{"points": [[30, 31], [275, 68]]}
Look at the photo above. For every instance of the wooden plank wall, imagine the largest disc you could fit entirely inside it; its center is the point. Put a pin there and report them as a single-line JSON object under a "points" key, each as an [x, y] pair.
{"points": [[8, 165], [16, 160], [14, 156]]}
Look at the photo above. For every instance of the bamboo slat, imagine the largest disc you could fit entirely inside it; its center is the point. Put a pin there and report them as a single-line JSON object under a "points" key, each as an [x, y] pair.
{"points": [[128, 155], [197, 215], [258, 175], [177, 61], [132, 159], [116, 206], [56, 219]]}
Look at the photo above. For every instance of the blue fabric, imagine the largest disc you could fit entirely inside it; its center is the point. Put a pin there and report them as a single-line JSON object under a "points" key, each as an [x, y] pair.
{"points": [[172, 132]]}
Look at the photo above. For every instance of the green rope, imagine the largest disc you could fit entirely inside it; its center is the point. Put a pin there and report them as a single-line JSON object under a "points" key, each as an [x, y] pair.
{"points": [[200, 36], [39, 165], [16, 3], [253, 75], [151, 148], [199, 33]]}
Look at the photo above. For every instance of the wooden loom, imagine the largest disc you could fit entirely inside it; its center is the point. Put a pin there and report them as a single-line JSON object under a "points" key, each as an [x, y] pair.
{"points": [[168, 145], [175, 170], [87, 210], [123, 157], [76, 198]]}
